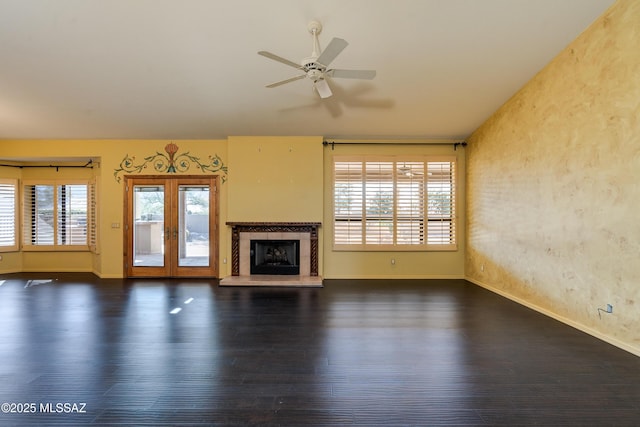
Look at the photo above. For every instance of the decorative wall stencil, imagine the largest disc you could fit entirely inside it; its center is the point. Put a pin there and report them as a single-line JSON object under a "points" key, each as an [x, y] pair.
{"points": [[171, 162]]}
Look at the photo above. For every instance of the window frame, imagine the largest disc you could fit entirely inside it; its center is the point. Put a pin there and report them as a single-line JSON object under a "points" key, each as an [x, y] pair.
{"points": [[27, 245], [16, 219], [401, 221]]}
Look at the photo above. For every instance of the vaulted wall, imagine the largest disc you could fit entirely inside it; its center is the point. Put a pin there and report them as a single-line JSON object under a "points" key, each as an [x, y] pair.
{"points": [[552, 185]]}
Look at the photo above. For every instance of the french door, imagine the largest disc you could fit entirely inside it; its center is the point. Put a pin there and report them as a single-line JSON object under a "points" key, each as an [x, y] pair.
{"points": [[171, 226]]}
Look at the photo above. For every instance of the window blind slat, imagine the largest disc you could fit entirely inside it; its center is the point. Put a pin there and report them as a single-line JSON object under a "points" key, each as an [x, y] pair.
{"points": [[394, 202], [72, 214], [410, 203], [348, 202], [93, 216], [55, 215], [8, 227], [379, 202], [39, 222], [441, 199]]}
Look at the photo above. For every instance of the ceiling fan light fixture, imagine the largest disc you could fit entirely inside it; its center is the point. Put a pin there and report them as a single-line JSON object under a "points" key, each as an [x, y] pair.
{"points": [[316, 67], [314, 75]]}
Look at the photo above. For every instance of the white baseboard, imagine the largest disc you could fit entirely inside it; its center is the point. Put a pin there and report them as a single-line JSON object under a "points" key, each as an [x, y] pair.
{"points": [[579, 326]]}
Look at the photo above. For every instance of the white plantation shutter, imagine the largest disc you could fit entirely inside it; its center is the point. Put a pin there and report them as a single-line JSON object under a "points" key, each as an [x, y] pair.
{"points": [[410, 214], [39, 215], [441, 202], [72, 214], [8, 214], [348, 202], [92, 217], [55, 215], [379, 202], [393, 203]]}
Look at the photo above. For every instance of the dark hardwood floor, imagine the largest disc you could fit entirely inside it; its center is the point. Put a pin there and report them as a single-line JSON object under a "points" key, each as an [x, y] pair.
{"points": [[427, 353]]}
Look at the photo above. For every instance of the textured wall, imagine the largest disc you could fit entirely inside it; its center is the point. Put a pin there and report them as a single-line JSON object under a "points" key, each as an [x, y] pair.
{"points": [[553, 185]]}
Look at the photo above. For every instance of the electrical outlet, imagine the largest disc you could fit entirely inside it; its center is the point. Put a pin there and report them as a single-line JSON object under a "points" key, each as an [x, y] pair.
{"points": [[607, 310], [482, 267], [393, 261]]}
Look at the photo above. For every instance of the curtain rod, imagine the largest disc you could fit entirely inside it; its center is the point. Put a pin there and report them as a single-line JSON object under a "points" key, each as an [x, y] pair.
{"points": [[88, 165], [334, 143]]}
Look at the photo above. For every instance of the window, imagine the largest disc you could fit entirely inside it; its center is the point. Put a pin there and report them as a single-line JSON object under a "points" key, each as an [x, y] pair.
{"points": [[391, 203], [55, 215], [8, 215]]}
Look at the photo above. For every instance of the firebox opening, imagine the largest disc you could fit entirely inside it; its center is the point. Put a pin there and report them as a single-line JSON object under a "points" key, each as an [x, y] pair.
{"points": [[275, 257]]}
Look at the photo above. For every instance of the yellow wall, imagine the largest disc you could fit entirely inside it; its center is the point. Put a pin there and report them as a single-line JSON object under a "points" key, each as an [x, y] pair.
{"points": [[408, 265], [44, 261], [275, 179], [48, 261], [553, 193], [278, 179], [110, 154]]}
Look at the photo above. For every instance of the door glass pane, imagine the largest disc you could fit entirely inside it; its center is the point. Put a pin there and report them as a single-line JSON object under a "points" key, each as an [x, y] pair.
{"points": [[148, 231], [193, 225]]}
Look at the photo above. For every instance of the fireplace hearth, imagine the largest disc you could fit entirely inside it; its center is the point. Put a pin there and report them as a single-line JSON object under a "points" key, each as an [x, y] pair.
{"points": [[275, 257]]}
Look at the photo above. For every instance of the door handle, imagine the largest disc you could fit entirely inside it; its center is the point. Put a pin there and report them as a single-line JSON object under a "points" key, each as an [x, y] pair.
{"points": [[175, 233], [167, 233]]}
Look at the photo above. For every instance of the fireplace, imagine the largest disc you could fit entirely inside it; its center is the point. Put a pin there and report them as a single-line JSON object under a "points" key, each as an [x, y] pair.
{"points": [[275, 257], [242, 233], [244, 236]]}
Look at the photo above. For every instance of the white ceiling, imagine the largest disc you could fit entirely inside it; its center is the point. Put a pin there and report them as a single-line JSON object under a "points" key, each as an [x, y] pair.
{"points": [[181, 69]]}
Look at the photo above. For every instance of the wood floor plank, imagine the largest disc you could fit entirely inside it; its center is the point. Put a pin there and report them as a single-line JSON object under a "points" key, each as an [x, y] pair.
{"points": [[370, 352]]}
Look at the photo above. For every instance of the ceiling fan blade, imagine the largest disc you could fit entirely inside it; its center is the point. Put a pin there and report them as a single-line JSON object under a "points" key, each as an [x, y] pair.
{"points": [[352, 74], [323, 88], [292, 79], [334, 48], [279, 59]]}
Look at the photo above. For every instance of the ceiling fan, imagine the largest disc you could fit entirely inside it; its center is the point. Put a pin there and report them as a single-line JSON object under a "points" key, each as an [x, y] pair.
{"points": [[410, 170], [316, 67]]}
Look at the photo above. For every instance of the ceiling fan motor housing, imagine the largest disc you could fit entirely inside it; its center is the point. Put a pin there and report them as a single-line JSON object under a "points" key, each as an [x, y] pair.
{"points": [[313, 69]]}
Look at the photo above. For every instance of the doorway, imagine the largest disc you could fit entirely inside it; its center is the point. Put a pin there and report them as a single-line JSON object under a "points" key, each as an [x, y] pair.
{"points": [[171, 226]]}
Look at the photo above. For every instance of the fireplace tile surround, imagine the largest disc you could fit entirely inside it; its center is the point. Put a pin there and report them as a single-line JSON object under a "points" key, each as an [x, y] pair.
{"points": [[243, 232]]}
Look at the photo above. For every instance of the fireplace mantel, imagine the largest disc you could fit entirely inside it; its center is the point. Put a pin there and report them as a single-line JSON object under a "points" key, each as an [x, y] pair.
{"points": [[273, 227]]}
